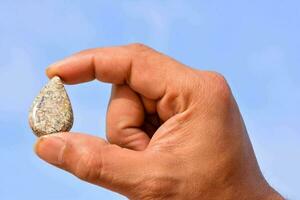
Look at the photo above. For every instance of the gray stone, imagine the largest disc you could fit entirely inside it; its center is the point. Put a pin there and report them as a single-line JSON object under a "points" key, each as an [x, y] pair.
{"points": [[51, 111]]}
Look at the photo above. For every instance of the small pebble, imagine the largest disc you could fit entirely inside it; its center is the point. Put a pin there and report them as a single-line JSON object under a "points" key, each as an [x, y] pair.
{"points": [[51, 111]]}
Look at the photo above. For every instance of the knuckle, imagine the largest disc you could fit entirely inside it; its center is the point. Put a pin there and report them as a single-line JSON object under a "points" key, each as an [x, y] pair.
{"points": [[114, 130], [88, 168], [138, 48], [112, 137], [219, 78], [109, 135], [156, 189], [220, 85], [161, 183], [104, 72]]}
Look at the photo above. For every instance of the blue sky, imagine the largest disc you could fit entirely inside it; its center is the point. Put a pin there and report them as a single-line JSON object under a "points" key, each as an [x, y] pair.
{"points": [[255, 44]]}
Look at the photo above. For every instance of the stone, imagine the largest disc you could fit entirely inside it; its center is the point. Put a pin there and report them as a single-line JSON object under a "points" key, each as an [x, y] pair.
{"points": [[51, 111]]}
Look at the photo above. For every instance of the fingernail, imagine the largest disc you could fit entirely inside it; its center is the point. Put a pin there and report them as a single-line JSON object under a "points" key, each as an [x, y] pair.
{"points": [[50, 71], [50, 149], [57, 63]]}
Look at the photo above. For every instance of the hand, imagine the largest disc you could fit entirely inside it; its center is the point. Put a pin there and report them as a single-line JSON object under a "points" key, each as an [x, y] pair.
{"points": [[173, 132]]}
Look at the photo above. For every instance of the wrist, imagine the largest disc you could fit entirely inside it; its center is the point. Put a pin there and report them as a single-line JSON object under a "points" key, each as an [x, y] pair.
{"points": [[264, 193], [259, 191], [273, 195]]}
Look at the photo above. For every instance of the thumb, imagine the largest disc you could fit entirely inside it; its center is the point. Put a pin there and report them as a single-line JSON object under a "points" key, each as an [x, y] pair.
{"points": [[94, 160]]}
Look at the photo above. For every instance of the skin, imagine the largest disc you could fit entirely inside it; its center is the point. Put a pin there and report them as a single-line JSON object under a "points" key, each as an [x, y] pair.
{"points": [[173, 132]]}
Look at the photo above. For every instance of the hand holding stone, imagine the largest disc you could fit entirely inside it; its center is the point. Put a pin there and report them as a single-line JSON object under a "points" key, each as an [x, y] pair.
{"points": [[173, 132]]}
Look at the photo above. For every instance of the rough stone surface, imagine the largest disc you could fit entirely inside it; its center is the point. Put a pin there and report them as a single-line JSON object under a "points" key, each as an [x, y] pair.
{"points": [[51, 111]]}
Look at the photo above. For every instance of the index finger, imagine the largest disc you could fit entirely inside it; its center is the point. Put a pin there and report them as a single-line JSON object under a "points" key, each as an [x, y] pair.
{"points": [[145, 70]]}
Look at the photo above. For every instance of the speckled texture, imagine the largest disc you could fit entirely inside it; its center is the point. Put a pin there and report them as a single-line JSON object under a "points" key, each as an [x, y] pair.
{"points": [[51, 111]]}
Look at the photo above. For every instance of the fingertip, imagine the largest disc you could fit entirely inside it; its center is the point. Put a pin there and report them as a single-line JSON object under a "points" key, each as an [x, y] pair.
{"points": [[40, 140], [50, 148], [49, 72], [35, 146], [52, 69]]}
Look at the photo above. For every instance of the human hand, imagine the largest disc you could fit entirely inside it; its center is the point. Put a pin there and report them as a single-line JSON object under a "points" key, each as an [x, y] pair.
{"points": [[173, 132]]}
